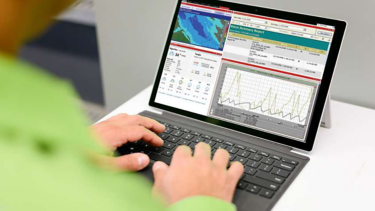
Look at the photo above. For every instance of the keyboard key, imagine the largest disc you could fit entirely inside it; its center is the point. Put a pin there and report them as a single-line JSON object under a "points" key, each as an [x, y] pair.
{"points": [[192, 145], [253, 164], [163, 136], [265, 154], [167, 153], [174, 127], [184, 142], [165, 124], [173, 139], [169, 145], [157, 157], [220, 146], [264, 167], [240, 147], [185, 130], [157, 149], [252, 150], [146, 152], [196, 133], [210, 142], [280, 172], [198, 139], [270, 177], [240, 159], [177, 133], [229, 143], [242, 185], [206, 136], [253, 188], [261, 182], [133, 149], [231, 157], [168, 130], [250, 171], [285, 166], [286, 160], [255, 157], [266, 193], [268, 161], [275, 157], [232, 150], [243, 153], [187, 136], [218, 140]]}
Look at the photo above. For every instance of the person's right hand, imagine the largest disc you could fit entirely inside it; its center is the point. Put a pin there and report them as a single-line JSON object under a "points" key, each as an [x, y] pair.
{"points": [[197, 175]]}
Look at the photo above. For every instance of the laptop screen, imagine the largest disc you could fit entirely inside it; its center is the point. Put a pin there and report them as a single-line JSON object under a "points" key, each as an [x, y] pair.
{"points": [[255, 71]]}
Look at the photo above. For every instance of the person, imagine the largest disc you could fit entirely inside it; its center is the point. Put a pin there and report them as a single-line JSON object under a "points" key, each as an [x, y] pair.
{"points": [[50, 161]]}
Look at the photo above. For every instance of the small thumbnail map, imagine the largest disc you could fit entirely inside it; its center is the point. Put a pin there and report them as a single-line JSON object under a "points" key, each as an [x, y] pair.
{"points": [[201, 30]]}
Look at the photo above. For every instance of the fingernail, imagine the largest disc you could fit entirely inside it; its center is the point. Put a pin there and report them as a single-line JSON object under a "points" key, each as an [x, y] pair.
{"points": [[142, 159]]}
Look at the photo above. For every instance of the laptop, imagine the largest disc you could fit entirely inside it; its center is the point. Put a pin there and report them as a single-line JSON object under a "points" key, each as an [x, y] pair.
{"points": [[250, 80]]}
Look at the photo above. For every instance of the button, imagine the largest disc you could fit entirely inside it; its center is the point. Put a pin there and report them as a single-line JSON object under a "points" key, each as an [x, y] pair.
{"points": [[206, 136], [268, 161], [252, 150], [265, 167], [286, 160], [175, 127], [158, 157], [177, 133], [229, 143], [242, 185], [210, 142], [265, 154], [185, 130], [275, 157], [240, 147], [266, 193], [280, 172], [173, 139], [198, 139], [270, 177], [241, 160], [255, 157], [169, 145], [253, 164], [285, 166], [253, 188], [250, 171], [220, 146], [184, 142], [218, 140], [167, 153], [196, 133], [187, 136], [243, 153], [232, 150]]}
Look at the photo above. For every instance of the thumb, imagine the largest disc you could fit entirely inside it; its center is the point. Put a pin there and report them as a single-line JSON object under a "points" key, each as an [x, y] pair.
{"points": [[159, 169], [132, 162]]}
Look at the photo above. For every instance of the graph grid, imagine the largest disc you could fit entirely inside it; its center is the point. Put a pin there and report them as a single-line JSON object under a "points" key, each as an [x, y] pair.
{"points": [[281, 99]]}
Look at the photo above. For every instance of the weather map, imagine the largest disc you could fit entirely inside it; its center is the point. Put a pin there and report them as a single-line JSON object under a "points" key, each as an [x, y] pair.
{"points": [[201, 30]]}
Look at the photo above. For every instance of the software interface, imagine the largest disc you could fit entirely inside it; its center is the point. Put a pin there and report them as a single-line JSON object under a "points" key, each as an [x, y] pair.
{"points": [[258, 72]]}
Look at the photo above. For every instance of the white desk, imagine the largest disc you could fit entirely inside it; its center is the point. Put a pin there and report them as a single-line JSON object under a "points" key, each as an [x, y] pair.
{"points": [[341, 173]]}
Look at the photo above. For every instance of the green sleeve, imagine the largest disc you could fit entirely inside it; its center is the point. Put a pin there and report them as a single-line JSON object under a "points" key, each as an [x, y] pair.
{"points": [[202, 203], [45, 148]]}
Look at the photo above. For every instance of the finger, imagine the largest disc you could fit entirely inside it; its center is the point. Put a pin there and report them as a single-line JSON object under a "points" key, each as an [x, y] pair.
{"points": [[148, 123], [182, 153], [151, 124], [136, 133], [235, 172], [221, 158], [132, 162], [202, 150], [159, 169]]}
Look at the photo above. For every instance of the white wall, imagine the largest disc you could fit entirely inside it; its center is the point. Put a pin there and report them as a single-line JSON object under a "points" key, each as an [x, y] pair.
{"points": [[132, 35]]}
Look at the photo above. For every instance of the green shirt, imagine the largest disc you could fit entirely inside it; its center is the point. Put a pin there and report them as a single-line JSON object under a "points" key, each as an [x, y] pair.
{"points": [[44, 153]]}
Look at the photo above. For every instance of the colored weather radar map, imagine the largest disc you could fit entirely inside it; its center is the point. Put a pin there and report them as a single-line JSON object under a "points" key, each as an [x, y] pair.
{"points": [[201, 30]]}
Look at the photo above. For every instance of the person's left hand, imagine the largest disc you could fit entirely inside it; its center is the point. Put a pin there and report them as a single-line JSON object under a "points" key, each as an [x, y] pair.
{"points": [[122, 129]]}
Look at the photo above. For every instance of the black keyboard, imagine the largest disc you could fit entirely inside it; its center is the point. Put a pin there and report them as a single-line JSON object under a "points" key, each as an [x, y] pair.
{"points": [[264, 173]]}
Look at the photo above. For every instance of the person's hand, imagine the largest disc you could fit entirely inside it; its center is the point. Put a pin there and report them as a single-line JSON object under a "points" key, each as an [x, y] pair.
{"points": [[122, 129], [196, 175]]}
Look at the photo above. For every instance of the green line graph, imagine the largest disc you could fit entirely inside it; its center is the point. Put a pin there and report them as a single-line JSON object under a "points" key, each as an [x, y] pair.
{"points": [[265, 95]]}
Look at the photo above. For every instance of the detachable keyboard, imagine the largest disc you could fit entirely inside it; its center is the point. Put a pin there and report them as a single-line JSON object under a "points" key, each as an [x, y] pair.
{"points": [[265, 172]]}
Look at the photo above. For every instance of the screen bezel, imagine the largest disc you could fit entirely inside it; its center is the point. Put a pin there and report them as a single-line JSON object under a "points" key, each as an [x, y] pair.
{"points": [[317, 112]]}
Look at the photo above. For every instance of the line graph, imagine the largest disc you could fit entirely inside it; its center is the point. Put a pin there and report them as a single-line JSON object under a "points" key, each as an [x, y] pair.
{"points": [[285, 100]]}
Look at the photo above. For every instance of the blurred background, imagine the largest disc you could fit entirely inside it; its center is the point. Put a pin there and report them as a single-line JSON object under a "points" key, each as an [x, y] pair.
{"points": [[110, 49]]}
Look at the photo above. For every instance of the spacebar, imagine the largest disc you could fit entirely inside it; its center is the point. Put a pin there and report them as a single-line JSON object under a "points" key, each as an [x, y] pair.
{"points": [[156, 157]]}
